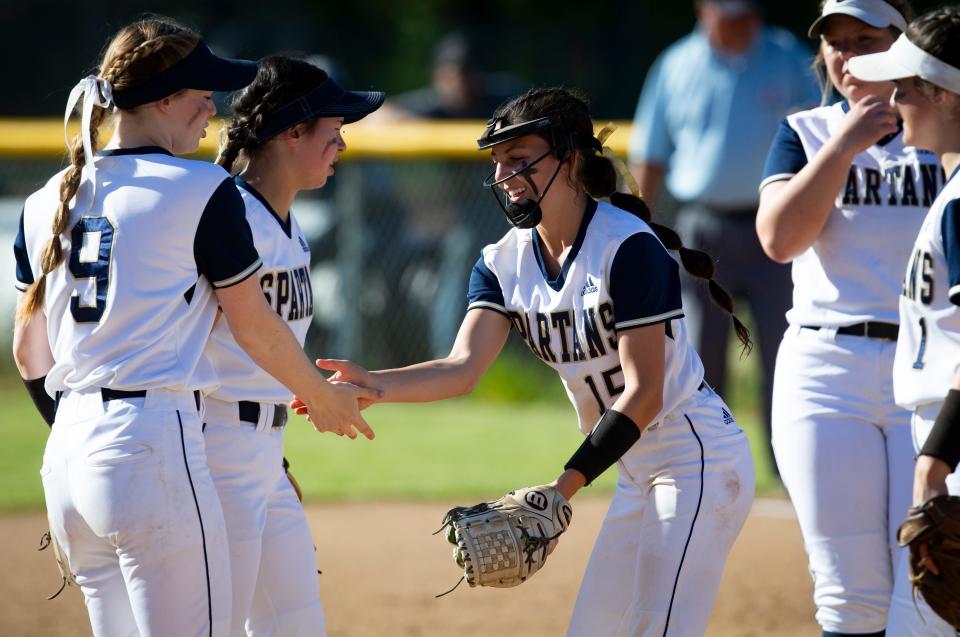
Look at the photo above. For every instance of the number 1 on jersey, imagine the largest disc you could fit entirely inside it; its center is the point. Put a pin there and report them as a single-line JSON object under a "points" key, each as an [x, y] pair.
{"points": [[91, 248]]}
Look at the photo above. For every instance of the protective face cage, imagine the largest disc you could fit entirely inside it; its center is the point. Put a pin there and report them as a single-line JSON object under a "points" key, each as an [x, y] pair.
{"points": [[527, 213]]}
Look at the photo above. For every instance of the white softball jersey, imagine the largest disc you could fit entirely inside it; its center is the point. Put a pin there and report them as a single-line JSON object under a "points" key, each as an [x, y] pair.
{"points": [[616, 276], [133, 304], [852, 271], [285, 280], [928, 347]]}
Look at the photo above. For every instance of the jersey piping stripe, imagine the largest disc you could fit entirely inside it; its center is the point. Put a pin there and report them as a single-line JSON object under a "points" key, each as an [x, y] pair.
{"points": [[953, 293], [659, 318], [203, 537], [237, 278], [772, 178], [693, 523], [20, 285], [488, 306]]}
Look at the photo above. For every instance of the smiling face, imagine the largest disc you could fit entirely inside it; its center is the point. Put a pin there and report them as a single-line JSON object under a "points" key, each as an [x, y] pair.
{"points": [[517, 155], [190, 112], [844, 37]]}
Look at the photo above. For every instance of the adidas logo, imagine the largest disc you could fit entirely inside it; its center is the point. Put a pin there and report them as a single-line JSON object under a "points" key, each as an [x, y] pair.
{"points": [[303, 244], [590, 287], [727, 416]]}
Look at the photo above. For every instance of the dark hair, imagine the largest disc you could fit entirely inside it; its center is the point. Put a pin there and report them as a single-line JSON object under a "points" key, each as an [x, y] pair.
{"points": [[597, 176], [281, 78], [819, 65], [938, 33], [135, 54]]}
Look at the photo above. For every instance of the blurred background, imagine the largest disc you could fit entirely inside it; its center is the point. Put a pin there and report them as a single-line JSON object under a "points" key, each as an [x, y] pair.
{"points": [[395, 232]]}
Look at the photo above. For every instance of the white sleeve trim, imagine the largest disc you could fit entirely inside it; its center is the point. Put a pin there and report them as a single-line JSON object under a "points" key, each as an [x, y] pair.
{"points": [[772, 178], [649, 319], [237, 278], [20, 285], [953, 292], [487, 305]]}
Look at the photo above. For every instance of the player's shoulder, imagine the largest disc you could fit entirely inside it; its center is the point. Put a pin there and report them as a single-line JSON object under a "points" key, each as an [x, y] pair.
{"points": [[613, 224], [819, 116]]}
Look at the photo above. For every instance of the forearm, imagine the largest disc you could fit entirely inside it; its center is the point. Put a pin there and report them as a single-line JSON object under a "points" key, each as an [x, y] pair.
{"points": [[269, 342], [792, 216], [428, 381]]}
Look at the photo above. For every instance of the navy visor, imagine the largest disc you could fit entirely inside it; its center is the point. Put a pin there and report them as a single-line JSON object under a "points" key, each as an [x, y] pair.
{"points": [[200, 70]]}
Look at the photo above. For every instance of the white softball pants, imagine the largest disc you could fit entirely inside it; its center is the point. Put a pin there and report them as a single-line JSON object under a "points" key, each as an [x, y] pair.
{"points": [[276, 592], [130, 499], [909, 618], [684, 492], [846, 459]]}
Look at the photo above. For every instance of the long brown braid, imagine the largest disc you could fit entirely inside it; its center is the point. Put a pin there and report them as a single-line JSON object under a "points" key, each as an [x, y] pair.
{"points": [[597, 177], [135, 54], [280, 80]]}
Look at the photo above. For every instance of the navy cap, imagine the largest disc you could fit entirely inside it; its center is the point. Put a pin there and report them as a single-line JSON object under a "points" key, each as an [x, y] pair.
{"points": [[200, 70], [326, 100]]}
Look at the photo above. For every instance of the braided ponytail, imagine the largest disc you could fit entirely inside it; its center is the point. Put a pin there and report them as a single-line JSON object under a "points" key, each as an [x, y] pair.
{"points": [[280, 80], [137, 52], [696, 262]]}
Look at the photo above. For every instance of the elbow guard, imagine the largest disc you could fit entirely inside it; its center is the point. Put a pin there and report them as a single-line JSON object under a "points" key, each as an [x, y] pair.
{"points": [[41, 399], [613, 436]]}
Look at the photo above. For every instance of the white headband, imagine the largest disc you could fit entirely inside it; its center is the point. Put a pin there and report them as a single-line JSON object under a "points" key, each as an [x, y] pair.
{"points": [[876, 13], [95, 91], [905, 59]]}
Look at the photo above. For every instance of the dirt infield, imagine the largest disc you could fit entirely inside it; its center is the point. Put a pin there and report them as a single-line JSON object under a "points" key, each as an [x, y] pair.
{"points": [[381, 569]]}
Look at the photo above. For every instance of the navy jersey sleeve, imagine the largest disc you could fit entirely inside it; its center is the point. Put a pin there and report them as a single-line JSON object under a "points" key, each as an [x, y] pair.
{"points": [[786, 157], [24, 271], [223, 247], [950, 230], [644, 283], [485, 289]]}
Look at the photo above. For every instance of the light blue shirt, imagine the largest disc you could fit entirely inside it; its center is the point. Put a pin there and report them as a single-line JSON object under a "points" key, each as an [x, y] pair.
{"points": [[710, 118]]}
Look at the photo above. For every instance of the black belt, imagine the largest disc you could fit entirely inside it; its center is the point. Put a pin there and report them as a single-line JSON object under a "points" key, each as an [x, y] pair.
{"points": [[870, 329], [107, 394], [250, 412]]}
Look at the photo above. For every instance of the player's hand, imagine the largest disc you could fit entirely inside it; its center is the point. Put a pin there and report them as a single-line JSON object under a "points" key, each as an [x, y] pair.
{"points": [[335, 408], [929, 479], [348, 372], [867, 122]]}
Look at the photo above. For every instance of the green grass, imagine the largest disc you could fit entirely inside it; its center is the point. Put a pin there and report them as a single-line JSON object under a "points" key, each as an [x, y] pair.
{"points": [[516, 429]]}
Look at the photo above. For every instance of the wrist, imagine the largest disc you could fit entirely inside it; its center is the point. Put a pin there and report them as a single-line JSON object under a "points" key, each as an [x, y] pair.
{"points": [[569, 482], [931, 468], [841, 148]]}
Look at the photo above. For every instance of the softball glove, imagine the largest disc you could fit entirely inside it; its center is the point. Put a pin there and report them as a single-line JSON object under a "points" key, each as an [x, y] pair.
{"points": [[935, 526], [503, 543]]}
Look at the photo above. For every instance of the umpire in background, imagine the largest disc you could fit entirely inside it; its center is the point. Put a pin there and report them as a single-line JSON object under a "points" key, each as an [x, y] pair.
{"points": [[710, 106]]}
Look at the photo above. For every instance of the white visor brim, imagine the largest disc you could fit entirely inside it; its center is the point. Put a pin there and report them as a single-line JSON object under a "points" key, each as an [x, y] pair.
{"points": [[875, 13], [905, 59]]}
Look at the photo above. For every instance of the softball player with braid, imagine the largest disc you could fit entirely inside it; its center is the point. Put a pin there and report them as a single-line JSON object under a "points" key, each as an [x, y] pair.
{"points": [[842, 190], [116, 305], [595, 294], [925, 62], [285, 135]]}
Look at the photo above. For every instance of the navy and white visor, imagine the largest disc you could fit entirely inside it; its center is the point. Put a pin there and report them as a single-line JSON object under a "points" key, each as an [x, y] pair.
{"points": [[327, 100], [200, 70], [905, 59], [876, 13]]}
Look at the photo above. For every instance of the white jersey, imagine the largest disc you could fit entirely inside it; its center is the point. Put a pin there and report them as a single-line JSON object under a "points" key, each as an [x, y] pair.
{"points": [[852, 272], [616, 276], [285, 280], [928, 347], [132, 305]]}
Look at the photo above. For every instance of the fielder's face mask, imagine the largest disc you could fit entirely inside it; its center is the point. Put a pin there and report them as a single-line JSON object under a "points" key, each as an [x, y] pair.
{"points": [[526, 213]]}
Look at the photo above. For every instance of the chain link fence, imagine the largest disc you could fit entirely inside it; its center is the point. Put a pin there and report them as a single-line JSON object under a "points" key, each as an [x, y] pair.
{"points": [[392, 240]]}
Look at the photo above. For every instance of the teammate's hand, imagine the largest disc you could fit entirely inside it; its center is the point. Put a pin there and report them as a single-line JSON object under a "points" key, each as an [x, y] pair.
{"points": [[335, 408], [868, 121], [929, 479], [348, 372]]}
